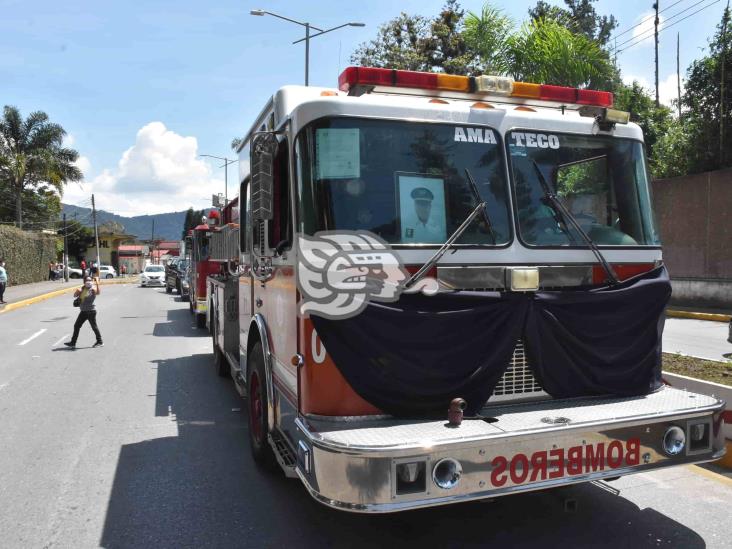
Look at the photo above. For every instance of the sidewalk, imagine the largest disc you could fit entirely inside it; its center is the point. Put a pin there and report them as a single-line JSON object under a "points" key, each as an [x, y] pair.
{"points": [[26, 294], [13, 294]]}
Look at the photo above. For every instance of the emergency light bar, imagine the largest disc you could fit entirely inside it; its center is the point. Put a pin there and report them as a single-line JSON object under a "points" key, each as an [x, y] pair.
{"points": [[353, 79]]}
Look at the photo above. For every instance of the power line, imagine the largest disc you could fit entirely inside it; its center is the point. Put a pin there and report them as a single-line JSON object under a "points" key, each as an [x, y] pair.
{"points": [[647, 19], [636, 39], [669, 26]]}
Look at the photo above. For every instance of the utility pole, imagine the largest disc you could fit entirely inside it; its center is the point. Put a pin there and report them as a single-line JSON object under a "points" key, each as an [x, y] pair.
{"points": [[96, 233], [655, 24], [152, 242], [66, 252], [678, 74], [721, 87]]}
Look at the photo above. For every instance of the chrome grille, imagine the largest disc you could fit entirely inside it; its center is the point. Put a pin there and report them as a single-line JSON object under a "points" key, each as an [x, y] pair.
{"points": [[518, 381]]}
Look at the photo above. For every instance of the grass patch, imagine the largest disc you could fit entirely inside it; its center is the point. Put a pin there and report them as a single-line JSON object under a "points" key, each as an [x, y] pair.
{"points": [[708, 370]]}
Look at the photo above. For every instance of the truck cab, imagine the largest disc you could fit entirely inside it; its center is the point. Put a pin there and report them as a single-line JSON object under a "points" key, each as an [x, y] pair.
{"points": [[521, 213]]}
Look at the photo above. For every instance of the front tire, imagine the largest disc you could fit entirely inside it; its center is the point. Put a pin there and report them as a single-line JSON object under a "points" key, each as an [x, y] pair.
{"points": [[258, 405], [168, 289], [108, 276]]}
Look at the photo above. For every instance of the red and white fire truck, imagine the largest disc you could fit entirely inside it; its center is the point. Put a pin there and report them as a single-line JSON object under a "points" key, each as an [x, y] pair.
{"points": [[202, 262], [527, 209]]}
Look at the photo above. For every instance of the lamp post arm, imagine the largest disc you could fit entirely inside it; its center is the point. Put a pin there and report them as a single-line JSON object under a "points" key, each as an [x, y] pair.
{"points": [[321, 32], [290, 20]]}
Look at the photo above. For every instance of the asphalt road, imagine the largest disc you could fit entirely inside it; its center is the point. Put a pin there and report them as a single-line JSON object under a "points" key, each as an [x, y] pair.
{"points": [[700, 338], [140, 444]]}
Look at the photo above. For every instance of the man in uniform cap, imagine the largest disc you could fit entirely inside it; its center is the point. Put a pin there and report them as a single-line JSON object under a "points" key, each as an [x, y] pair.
{"points": [[425, 230]]}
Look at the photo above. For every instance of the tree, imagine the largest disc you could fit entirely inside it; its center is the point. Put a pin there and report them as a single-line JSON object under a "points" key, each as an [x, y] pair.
{"points": [[486, 35], [191, 220], [80, 238], [654, 121], [706, 100], [670, 156], [542, 51], [33, 156], [579, 17], [546, 52]]}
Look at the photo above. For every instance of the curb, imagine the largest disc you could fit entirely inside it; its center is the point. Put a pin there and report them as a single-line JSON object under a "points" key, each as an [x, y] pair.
{"points": [[35, 299], [672, 313]]}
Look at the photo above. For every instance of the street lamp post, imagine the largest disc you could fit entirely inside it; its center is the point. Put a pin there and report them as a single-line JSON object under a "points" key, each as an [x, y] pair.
{"points": [[225, 165], [308, 36]]}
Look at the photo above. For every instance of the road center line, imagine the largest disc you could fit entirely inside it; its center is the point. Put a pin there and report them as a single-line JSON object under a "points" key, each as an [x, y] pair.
{"points": [[60, 340], [31, 338]]}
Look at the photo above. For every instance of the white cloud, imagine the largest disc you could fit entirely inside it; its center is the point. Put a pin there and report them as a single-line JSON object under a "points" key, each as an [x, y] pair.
{"points": [[160, 172], [644, 30], [84, 164], [69, 140], [667, 88]]}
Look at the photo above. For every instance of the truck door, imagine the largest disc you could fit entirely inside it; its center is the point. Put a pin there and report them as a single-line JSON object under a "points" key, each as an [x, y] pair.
{"points": [[275, 290], [246, 280]]}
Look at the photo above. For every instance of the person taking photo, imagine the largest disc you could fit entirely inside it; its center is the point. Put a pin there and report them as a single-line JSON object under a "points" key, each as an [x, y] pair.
{"points": [[87, 295]]}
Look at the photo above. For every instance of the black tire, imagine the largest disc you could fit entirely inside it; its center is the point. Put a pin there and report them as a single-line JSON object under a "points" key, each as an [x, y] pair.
{"points": [[200, 321], [220, 363], [109, 276], [257, 404], [168, 289], [177, 287]]}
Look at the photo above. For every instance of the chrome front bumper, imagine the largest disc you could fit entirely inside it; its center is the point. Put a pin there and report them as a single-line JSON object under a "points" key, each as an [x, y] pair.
{"points": [[350, 463]]}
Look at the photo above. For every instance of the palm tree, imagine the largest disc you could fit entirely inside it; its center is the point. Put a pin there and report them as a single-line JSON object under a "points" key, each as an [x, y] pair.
{"points": [[32, 156], [546, 52]]}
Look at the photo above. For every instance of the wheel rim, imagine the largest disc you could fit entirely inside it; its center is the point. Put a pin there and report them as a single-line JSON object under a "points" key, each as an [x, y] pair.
{"points": [[256, 407]]}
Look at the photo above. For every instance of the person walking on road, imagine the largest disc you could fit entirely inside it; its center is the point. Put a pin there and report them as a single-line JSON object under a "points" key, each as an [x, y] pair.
{"points": [[3, 280], [87, 311]]}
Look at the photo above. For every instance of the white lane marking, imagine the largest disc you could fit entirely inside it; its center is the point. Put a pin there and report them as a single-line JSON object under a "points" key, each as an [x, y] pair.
{"points": [[60, 340], [31, 338]]}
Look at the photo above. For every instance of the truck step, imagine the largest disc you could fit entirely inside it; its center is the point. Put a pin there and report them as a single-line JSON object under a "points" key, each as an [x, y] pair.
{"points": [[284, 455]]}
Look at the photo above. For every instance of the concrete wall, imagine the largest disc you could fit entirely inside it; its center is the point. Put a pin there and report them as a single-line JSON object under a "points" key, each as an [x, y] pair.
{"points": [[694, 215]]}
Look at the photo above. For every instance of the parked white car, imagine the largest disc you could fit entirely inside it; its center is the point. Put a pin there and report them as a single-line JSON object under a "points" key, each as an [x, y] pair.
{"points": [[107, 271], [153, 275], [74, 272]]}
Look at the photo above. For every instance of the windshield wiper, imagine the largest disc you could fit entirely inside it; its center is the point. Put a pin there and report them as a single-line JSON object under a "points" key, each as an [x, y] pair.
{"points": [[476, 193], [446, 246], [558, 207]]}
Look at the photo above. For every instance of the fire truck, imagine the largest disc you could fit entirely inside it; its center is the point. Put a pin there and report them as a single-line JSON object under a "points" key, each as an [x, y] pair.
{"points": [[519, 346], [202, 262]]}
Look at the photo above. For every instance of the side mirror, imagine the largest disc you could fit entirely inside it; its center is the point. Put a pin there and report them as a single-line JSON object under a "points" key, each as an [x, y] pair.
{"points": [[263, 149]]}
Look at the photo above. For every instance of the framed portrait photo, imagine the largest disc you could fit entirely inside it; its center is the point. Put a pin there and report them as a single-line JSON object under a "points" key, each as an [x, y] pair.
{"points": [[422, 208]]}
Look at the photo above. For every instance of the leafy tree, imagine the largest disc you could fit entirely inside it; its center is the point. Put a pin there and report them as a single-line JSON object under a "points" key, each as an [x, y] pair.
{"points": [[33, 156], [541, 51], [579, 17], [708, 114], [654, 121], [80, 238], [192, 219], [670, 156]]}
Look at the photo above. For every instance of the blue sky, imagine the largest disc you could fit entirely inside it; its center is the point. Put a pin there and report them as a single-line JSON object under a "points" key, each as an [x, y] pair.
{"points": [[143, 87]]}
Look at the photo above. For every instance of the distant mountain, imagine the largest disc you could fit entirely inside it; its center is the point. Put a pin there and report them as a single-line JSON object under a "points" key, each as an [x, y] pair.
{"points": [[168, 226]]}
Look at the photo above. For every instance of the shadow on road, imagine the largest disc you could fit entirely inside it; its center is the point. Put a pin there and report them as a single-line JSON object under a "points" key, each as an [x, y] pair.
{"points": [[179, 322], [202, 488]]}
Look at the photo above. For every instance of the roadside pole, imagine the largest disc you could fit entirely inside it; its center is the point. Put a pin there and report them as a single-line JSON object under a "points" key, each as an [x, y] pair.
{"points": [[66, 253], [96, 233]]}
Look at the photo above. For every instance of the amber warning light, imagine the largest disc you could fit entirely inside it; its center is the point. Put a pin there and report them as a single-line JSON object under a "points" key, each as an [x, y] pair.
{"points": [[354, 79]]}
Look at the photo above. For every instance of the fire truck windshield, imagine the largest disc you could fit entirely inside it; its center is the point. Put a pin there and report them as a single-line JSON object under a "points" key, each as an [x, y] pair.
{"points": [[404, 181], [602, 181]]}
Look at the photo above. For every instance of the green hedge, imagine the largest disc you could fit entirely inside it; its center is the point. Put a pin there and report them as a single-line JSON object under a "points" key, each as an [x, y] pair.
{"points": [[26, 254]]}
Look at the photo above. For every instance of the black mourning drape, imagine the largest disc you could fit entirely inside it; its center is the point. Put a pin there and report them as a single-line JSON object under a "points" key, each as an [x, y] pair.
{"points": [[410, 358]]}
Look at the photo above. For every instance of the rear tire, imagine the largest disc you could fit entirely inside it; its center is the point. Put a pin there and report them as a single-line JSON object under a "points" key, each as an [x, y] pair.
{"points": [[168, 289], [258, 407], [200, 321]]}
